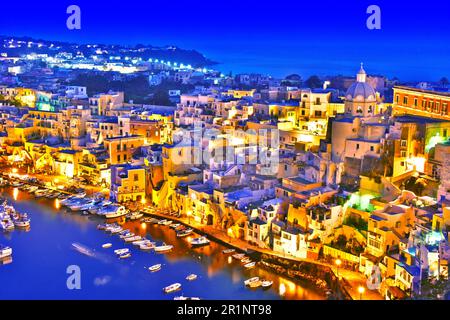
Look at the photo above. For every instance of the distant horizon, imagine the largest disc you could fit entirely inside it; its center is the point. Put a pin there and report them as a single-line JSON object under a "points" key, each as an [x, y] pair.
{"points": [[294, 37]]}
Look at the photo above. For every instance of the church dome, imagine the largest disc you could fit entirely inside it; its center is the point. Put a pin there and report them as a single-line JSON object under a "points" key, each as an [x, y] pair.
{"points": [[361, 90]]}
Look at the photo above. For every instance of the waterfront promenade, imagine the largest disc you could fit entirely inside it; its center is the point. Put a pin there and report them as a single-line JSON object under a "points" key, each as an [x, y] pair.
{"points": [[353, 279]]}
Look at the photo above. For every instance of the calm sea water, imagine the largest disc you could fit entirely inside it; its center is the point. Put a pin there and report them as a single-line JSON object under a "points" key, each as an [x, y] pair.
{"points": [[42, 254]]}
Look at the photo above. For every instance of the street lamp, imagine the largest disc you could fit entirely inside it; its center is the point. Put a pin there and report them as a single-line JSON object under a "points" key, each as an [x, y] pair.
{"points": [[338, 262], [361, 291], [189, 213]]}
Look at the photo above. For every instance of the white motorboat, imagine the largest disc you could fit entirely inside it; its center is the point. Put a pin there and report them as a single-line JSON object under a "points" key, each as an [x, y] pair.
{"points": [[163, 248], [22, 222], [186, 298], [115, 212], [116, 230], [228, 251], [191, 277], [40, 193], [200, 241], [135, 215], [162, 221], [266, 284], [83, 249], [147, 246], [125, 255], [5, 251], [174, 225], [137, 243], [172, 288], [246, 260], [121, 251], [6, 225], [107, 245], [126, 234], [132, 239], [248, 282], [155, 268], [238, 256], [250, 265], [167, 222], [184, 233]]}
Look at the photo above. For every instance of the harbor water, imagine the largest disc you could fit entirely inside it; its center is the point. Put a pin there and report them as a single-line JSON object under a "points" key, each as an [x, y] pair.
{"points": [[42, 255]]}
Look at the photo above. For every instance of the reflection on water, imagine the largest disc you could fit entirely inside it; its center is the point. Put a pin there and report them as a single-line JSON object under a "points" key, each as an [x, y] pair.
{"points": [[47, 248]]}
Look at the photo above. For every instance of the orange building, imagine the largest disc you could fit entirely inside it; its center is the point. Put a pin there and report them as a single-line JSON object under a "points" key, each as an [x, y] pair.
{"points": [[425, 103]]}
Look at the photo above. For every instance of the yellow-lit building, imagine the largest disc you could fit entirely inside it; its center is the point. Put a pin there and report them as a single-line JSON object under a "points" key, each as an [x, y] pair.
{"points": [[128, 183], [121, 149]]}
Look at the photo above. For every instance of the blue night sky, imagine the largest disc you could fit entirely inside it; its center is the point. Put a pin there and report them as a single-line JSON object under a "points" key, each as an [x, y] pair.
{"points": [[276, 37]]}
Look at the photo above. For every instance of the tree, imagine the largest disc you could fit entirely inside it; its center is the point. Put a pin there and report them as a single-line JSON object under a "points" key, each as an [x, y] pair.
{"points": [[314, 82]]}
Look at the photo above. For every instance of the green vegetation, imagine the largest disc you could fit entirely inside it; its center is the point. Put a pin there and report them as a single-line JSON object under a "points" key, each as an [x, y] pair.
{"points": [[347, 245], [356, 223]]}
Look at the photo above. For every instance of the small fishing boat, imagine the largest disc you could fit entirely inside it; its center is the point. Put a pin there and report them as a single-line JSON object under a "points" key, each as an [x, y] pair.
{"points": [[22, 221], [103, 226], [128, 234], [251, 280], [172, 288], [147, 246], [5, 251], [132, 239], [186, 298], [140, 242], [111, 212], [6, 225], [238, 256], [155, 268], [255, 284], [162, 221], [135, 215], [245, 260], [163, 248], [266, 284], [191, 277], [168, 222], [83, 249], [250, 265], [185, 233], [200, 241], [228, 251], [107, 245], [116, 230], [125, 255], [121, 251]]}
